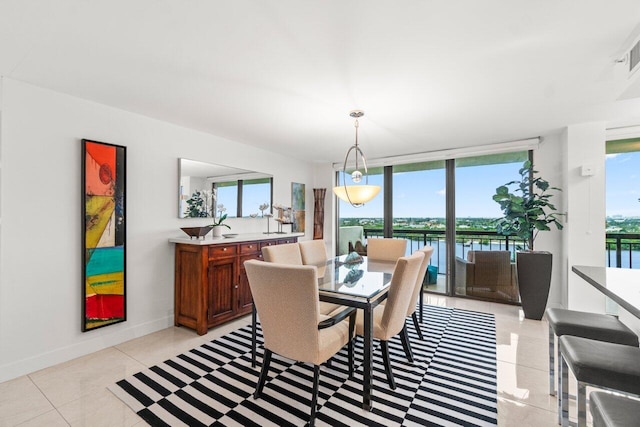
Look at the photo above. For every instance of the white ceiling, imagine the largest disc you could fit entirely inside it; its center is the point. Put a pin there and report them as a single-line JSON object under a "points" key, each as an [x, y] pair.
{"points": [[284, 74]]}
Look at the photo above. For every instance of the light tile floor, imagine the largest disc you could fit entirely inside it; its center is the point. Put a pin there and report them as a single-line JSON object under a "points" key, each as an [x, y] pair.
{"points": [[70, 394]]}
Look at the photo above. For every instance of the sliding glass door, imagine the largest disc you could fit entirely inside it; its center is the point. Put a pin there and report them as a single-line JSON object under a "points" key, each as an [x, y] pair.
{"points": [[484, 260], [419, 213], [448, 205]]}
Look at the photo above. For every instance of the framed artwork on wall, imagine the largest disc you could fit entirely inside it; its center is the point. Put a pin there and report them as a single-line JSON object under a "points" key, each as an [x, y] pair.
{"points": [[298, 206], [103, 234]]}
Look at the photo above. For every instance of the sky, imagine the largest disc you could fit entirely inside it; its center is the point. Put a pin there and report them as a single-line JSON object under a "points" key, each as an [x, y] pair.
{"points": [[623, 184], [422, 194]]}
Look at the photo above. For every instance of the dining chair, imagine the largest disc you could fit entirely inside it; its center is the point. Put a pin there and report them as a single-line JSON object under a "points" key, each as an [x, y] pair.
{"points": [[286, 299], [411, 312], [291, 254], [288, 253], [389, 319], [386, 249], [313, 252]]}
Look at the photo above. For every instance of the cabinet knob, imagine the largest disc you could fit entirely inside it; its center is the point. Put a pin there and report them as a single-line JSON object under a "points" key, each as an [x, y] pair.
{"points": [[250, 246], [236, 286], [224, 249]]}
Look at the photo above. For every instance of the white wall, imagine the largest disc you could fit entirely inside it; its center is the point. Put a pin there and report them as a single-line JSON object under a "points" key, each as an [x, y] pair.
{"points": [[584, 236], [547, 160], [40, 203]]}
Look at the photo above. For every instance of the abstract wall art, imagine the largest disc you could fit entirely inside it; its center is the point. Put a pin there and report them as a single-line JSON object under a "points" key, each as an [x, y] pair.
{"points": [[103, 234], [298, 206]]}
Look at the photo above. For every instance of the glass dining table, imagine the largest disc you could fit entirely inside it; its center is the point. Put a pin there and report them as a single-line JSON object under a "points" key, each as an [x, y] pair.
{"points": [[362, 285]]}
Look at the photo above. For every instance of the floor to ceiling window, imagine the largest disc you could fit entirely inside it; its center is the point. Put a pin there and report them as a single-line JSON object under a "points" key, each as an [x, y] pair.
{"points": [[623, 203], [419, 212], [355, 225], [419, 208], [484, 263]]}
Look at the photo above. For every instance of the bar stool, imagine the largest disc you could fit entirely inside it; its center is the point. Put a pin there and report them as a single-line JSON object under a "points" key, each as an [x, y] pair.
{"points": [[600, 327], [609, 410], [598, 364]]}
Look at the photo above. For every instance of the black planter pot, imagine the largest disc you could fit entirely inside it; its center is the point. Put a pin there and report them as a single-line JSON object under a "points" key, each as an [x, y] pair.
{"points": [[534, 280]]}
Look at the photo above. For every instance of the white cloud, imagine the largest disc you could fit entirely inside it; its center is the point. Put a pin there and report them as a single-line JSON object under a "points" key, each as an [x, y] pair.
{"points": [[441, 192]]}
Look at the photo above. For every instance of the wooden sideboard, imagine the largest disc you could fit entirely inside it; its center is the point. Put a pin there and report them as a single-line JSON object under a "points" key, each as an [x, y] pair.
{"points": [[211, 285]]}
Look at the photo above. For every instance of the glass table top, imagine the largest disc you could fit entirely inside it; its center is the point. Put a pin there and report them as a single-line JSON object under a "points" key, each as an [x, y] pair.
{"points": [[364, 279]]}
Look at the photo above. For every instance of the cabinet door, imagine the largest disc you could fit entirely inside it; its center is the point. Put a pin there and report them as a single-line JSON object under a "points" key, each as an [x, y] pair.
{"points": [[222, 289], [245, 300]]}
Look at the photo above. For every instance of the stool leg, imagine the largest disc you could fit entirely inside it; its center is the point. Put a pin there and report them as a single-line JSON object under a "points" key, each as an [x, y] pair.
{"points": [[558, 374], [563, 392], [582, 404], [552, 385]]}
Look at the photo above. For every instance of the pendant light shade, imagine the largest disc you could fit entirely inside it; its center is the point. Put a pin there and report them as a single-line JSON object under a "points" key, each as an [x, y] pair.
{"points": [[356, 194]]}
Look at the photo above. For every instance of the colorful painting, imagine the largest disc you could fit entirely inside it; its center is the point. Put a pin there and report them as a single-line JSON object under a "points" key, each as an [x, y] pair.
{"points": [[297, 204], [104, 234]]}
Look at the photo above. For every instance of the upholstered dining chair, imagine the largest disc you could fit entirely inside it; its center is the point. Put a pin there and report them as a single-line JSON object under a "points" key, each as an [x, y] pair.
{"points": [[288, 253], [389, 319], [286, 299], [386, 249], [411, 312], [313, 252], [291, 254]]}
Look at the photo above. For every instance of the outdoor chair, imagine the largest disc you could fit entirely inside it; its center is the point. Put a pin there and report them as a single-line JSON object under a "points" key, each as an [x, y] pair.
{"points": [[487, 274]]}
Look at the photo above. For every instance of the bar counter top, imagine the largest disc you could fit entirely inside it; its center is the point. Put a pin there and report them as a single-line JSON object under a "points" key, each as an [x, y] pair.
{"points": [[620, 284]]}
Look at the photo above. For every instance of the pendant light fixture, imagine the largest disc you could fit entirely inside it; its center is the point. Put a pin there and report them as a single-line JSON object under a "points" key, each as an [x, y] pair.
{"points": [[357, 194]]}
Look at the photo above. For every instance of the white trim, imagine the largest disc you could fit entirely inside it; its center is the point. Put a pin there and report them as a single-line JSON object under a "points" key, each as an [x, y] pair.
{"points": [[452, 153]]}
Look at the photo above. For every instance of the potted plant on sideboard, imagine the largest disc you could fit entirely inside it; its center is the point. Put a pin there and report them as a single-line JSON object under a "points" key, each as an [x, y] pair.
{"points": [[218, 222], [527, 210]]}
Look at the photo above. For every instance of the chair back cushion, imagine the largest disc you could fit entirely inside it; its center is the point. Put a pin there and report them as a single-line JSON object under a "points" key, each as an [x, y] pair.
{"points": [[386, 249], [427, 251], [288, 253], [492, 268], [286, 299], [313, 252], [401, 289]]}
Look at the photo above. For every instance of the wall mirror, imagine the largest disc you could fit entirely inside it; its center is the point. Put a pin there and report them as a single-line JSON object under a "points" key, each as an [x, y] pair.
{"points": [[205, 186]]}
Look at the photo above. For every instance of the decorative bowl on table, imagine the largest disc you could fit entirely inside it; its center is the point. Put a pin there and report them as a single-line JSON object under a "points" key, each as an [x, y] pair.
{"points": [[197, 232], [353, 259]]}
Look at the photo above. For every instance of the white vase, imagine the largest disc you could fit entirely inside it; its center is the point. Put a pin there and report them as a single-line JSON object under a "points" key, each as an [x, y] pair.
{"points": [[217, 231]]}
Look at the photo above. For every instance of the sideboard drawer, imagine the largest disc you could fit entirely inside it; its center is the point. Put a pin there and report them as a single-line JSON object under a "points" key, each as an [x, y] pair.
{"points": [[249, 248], [268, 243], [288, 240], [216, 251]]}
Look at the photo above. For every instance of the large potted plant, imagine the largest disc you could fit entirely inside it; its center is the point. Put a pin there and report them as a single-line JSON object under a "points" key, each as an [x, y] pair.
{"points": [[527, 210]]}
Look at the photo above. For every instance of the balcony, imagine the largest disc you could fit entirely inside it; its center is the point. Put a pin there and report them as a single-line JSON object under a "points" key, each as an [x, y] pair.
{"points": [[622, 249]]}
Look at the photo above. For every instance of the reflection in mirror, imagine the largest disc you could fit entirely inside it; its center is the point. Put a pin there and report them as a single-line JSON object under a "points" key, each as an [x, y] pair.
{"points": [[204, 186]]}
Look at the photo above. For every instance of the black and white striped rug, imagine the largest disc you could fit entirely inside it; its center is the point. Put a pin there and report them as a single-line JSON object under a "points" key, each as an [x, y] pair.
{"points": [[451, 382]]}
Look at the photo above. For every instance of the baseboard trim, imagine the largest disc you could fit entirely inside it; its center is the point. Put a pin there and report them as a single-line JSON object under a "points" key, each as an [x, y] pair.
{"points": [[104, 339]]}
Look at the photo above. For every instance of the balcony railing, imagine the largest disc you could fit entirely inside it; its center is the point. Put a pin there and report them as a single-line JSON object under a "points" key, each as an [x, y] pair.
{"points": [[622, 249]]}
